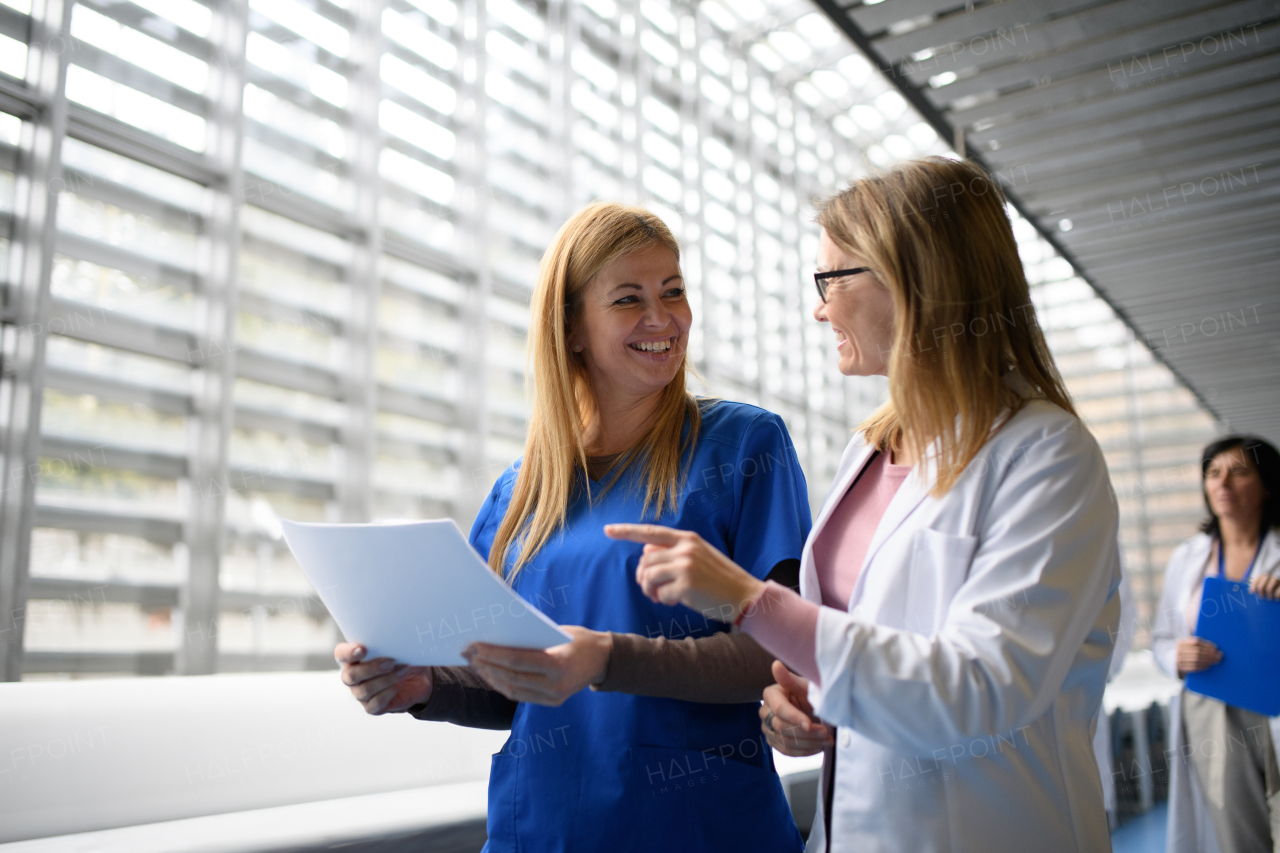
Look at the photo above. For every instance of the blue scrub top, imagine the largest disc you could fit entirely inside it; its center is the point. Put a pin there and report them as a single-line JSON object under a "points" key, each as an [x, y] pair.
{"points": [[611, 771]]}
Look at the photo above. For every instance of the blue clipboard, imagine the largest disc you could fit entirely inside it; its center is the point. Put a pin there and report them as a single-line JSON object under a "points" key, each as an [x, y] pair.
{"points": [[1247, 630]]}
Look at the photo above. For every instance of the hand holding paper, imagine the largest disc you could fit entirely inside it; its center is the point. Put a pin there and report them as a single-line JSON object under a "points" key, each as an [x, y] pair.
{"points": [[381, 685], [416, 592]]}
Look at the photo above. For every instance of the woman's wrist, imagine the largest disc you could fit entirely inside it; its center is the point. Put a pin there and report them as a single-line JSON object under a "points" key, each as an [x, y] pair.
{"points": [[749, 592], [603, 641], [428, 677]]}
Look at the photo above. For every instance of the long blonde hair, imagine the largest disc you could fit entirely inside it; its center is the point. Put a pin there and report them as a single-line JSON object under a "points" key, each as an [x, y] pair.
{"points": [[562, 401], [935, 232]]}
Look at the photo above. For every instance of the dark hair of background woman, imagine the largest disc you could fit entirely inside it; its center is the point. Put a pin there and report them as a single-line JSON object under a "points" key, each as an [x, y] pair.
{"points": [[1265, 458]]}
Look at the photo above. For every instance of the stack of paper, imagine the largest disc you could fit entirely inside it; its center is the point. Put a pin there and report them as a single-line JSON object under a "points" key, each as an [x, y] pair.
{"points": [[414, 591]]}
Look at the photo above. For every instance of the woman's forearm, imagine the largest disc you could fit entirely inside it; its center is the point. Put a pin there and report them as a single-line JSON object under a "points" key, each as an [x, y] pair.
{"points": [[723, 668], [460, 696], [787, 625]]}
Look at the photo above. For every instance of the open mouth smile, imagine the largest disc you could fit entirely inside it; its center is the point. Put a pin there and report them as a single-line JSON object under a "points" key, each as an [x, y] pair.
{"points": [[661, 347]]}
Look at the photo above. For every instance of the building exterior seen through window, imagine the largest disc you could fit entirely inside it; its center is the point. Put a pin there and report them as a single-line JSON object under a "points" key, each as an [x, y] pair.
{"points": [[273, 260]]}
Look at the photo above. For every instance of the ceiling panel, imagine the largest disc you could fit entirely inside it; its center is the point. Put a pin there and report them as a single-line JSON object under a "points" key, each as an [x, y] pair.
{"points": [[1142, 139]]}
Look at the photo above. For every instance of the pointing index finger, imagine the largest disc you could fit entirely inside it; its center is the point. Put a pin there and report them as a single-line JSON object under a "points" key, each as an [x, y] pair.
{"points": [[651, 534]]}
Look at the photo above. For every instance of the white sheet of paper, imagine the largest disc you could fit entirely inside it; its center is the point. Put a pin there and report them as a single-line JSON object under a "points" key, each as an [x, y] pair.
{"points": [[414, 591]]}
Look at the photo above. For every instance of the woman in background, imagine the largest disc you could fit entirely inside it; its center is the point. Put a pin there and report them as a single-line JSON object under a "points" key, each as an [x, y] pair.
{"points": [[664, 752], [1228, 800]]}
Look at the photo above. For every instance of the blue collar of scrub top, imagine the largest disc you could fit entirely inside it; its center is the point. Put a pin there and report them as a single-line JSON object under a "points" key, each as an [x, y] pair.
{"points": [[1222, 572]]}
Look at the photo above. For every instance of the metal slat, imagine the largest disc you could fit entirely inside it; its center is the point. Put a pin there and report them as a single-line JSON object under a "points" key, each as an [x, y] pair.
{"points": [[126, 73], [1234, 224], [1089, 40], [402, 401], [103, 254], [114, 135], [79, 451], [274, 370], [21, 100], [77, 592], [211, 424], [1246, 189], [265, 480], [131, 15], [27, 304], [14, 24], [1104, 83], [247, 417], [307, 211], [957, 31], [292, 146], [1242, 131], [162, 663], [97, 325], [295, 95], [873, 18], [164, 531], [290, 313], [119, 390], [100, 663], [1178, 102]]}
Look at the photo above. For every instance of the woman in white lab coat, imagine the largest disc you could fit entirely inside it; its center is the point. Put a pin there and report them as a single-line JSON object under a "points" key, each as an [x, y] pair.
{"points": [[1102, 732], [958, 599], [1241, 484]]}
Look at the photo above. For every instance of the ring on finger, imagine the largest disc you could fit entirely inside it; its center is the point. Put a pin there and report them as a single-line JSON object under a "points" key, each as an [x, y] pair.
{"points": [[768, 722]]}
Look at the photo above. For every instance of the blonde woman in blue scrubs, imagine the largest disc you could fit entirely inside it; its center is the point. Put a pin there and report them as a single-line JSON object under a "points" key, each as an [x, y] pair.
{"points": [[665, 751]]}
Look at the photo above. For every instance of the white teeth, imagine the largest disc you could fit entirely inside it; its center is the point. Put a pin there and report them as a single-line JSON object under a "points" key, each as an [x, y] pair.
{"points": [[653, 346]]}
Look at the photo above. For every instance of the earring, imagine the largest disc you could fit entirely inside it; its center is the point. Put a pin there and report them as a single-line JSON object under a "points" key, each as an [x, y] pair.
{"points": [[577, 348]]}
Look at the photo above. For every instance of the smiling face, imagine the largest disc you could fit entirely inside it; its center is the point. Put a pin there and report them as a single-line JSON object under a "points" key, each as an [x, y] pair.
{"points": [[1233, 486], [860, 311], [633, 326]]}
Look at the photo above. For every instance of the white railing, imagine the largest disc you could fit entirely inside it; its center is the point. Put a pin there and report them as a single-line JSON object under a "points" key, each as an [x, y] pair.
{"points": [[227, 762]]}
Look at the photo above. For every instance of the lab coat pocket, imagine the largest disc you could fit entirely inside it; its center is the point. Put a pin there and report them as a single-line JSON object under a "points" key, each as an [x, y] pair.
{"points": [[939, 565]]}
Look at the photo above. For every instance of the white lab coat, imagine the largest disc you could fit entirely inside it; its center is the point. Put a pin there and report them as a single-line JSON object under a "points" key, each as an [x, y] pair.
{"points": [[967, 674], [1102, 733], [1190, 824]]}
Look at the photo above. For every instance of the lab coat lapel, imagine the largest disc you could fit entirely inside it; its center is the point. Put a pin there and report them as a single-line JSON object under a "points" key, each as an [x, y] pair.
{"points": [[1269, 557], [843, 481], [910, 495], [855, 460]]}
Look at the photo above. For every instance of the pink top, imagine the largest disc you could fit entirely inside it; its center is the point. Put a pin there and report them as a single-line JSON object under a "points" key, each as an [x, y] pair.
{"points": [[786, 624]]}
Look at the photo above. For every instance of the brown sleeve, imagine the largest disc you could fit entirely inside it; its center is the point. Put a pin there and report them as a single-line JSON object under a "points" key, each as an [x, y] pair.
{"points": [[724, 668], [460, 696], [721, 669]]}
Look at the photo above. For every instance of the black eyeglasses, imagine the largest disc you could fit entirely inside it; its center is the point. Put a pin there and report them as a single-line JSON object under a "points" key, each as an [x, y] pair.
{"points": [[822, 278]]}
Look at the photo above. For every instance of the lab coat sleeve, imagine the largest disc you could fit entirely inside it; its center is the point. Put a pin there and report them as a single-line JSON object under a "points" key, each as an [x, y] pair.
{"points": [[1044, 567], [1165, 632], [1128, 626]]}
